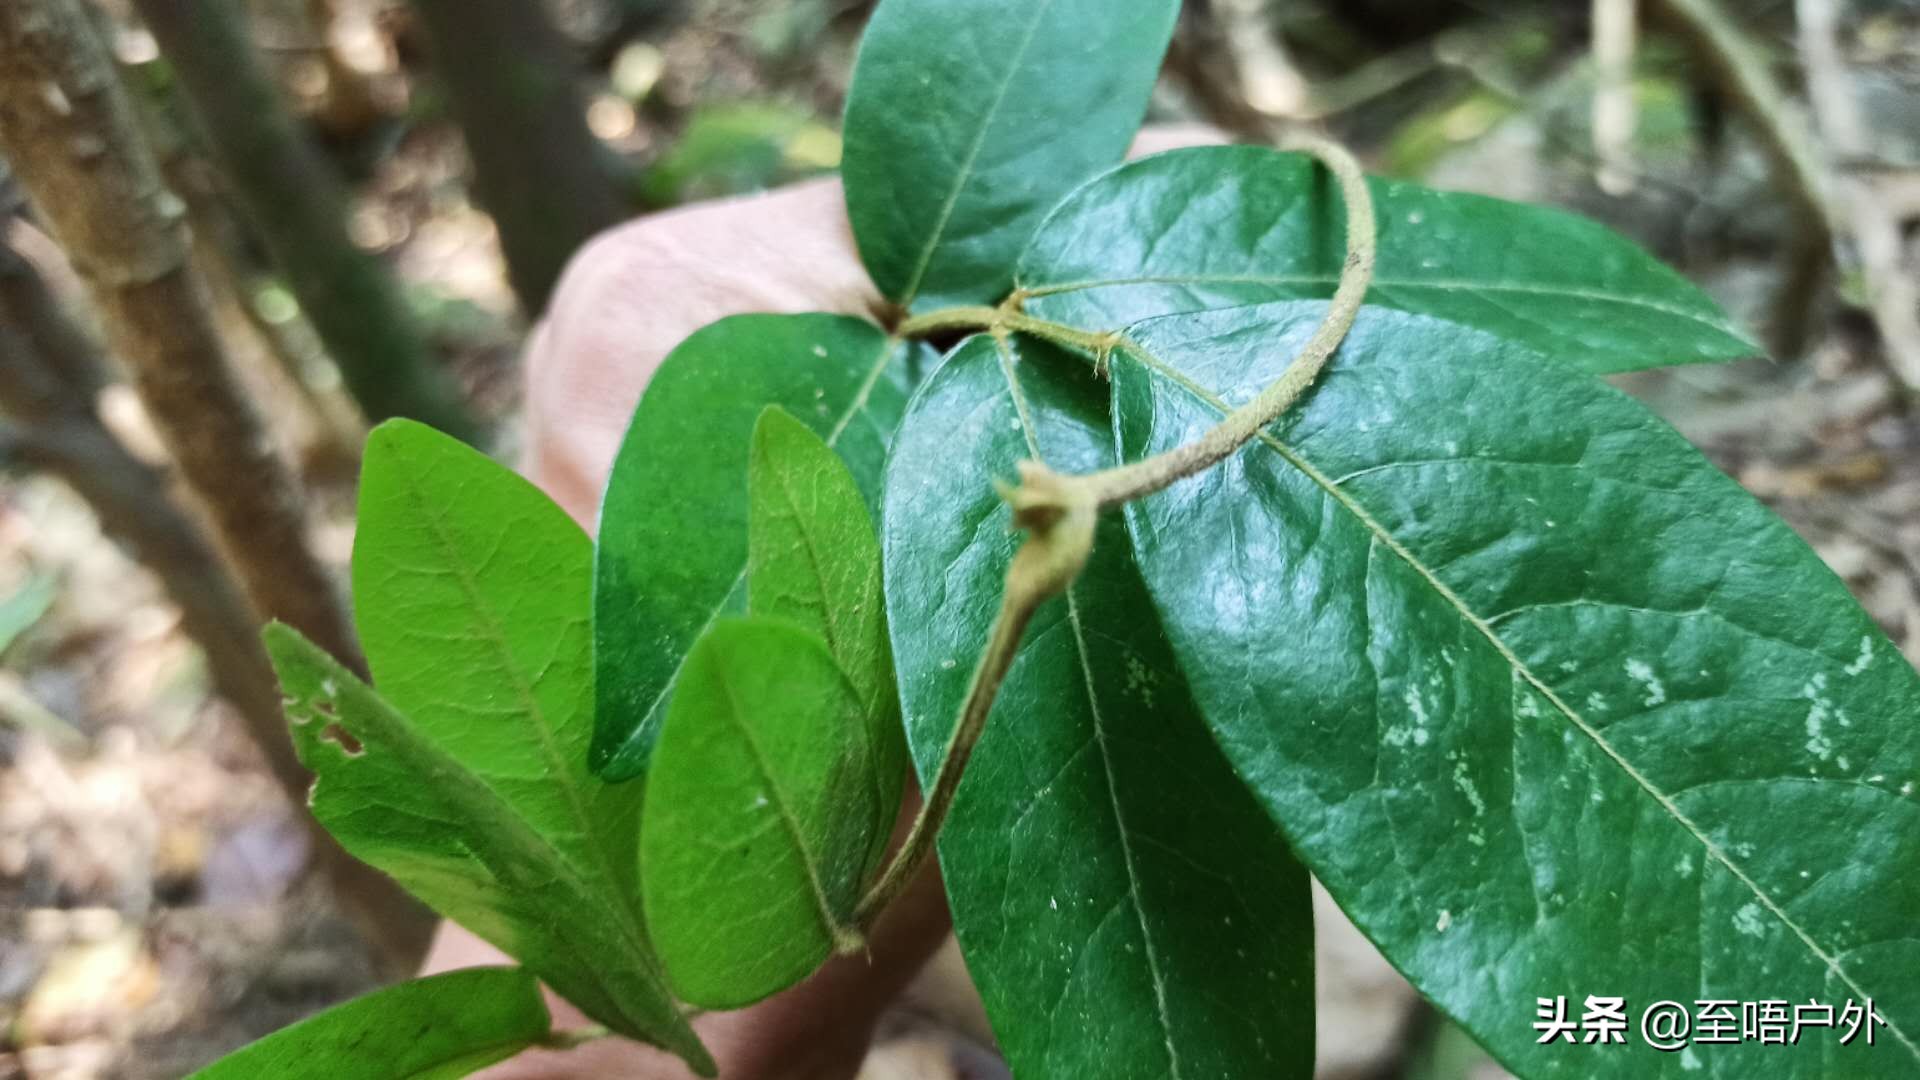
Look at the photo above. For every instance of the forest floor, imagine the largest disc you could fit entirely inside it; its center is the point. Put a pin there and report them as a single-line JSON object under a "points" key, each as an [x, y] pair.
{"points": [[153, 907]]}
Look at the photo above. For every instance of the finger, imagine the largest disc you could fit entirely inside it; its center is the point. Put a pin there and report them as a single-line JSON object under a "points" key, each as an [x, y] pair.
{"points": [[637, 291], [819, 1028]]}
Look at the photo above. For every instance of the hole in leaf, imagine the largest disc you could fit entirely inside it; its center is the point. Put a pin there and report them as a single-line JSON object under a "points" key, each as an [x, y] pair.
{"points": [[344, 739]]}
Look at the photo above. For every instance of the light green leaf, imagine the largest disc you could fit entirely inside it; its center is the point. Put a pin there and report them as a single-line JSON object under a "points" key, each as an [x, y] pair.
{"points": [[472, 602], [397, 799], [813, 559], [764, 811], [436, 1028], [672, 551], [472, 595], [1550, 705], [736, 147], [967, 120], [1224, 226], [25, 607], [1124, 905]]}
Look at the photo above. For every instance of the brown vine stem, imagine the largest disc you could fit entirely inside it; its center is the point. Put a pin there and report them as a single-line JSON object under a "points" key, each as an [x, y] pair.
{"points": [[1059, 511], [1060, 536]]}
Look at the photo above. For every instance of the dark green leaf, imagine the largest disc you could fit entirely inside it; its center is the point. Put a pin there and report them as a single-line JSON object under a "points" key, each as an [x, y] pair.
{"points": [[813, 559], [764, 811], [1550, 705], [1229, 225], [437, 1028], [398, 799], [1124, 905], [672, 553], [967, 121]]}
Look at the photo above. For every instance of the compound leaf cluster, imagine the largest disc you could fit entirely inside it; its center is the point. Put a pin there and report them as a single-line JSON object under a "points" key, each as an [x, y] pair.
{"points": [[1546, 701]]}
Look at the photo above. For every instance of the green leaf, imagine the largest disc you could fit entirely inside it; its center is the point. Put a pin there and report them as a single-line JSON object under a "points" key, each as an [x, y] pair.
{"points": [[967, 121], [813, 559], [1224, 226], [736, 147], [1550, 705], [765, 810], [435, 1028], [1124, 905], [672, 552], [25, 607], [472, 595], [398, 799]]}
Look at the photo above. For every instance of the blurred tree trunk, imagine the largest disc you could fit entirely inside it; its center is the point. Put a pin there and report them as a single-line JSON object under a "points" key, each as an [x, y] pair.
{"points": [[1739, 64], [49, 384], [298, 206], [50, 379], [548, 182], [67, 129]]}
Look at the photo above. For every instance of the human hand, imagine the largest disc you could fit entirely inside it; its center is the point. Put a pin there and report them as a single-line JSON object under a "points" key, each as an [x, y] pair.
{"points": [[625, 302], [628, 298]]}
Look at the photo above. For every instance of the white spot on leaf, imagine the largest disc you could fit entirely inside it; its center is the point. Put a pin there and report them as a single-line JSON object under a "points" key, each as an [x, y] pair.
{"points": [[1822, 708], [1866, 656], [1472, 793], [1641, 672]]}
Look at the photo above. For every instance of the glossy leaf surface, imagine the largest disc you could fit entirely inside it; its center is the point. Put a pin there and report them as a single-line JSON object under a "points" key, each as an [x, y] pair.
{"points": [[672, 550], [1550, 705], [437, 1028], [764, 811], [1124, 905], [1222, 226], [813, 559], [966, 122]]}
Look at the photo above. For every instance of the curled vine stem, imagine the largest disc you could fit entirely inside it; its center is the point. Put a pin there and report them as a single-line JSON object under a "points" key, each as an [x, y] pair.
{"points": [[1059, 522], [1058, 510], [1125, 483]]}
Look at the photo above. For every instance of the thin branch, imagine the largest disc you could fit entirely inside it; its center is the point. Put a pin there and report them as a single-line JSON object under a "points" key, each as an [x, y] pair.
{"points": [[1892, 291], [1777, 119], [1614, 108], [509, 76], [1060, 511], [1057, 546], [69, 133], [1800, 169], [297, 205], [1125, 483], [60, 433]]}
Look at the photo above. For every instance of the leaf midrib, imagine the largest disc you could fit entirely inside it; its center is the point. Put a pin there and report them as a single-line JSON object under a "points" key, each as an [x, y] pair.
{"points": [[1520, 668], [1074, 622], [1436, 284], [822, 906], [493, 635], [510, 826], [965, 173], [829, 625]]}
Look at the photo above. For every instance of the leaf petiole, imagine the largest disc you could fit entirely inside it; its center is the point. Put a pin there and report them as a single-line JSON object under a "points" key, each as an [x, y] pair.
{"points": [[1059, 511]]}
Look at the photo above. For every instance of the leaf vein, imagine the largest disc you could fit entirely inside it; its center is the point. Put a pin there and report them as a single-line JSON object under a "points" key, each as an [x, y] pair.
{"points": [[1520, 668]]}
